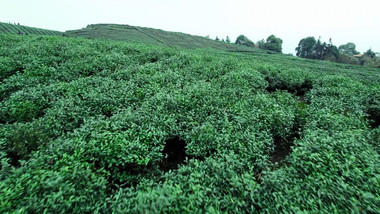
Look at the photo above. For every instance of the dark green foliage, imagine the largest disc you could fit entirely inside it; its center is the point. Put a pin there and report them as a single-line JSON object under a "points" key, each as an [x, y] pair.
{"points": [[260, 44], [68, 186], [315, 168], [370, 53], [369, 59], [8, 67], [348, 59], [349, 49], [373, 107], [243, 40], [23, 138], [23, 106], [90, 126], [273, 44], [182, 191], [305, 48], [312, 49], [228, 40], [293, 80], [332, 52]]}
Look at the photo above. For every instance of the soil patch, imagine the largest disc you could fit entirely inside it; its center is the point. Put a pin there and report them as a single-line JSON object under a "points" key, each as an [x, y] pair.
{"points": [[281, 151], [174, 153], [374, 116]]}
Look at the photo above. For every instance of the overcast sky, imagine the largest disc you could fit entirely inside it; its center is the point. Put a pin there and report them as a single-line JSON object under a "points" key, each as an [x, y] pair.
{"points": [[291, 20]]}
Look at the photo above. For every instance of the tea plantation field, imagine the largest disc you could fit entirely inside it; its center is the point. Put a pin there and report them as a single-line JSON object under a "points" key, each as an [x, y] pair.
{"points": [[16, 29], [94, 126], [153, 36]]}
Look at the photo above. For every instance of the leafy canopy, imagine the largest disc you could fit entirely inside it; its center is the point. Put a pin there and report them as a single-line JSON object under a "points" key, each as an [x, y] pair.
{"points": [[349, 49], [243, 40], [273, 44]]}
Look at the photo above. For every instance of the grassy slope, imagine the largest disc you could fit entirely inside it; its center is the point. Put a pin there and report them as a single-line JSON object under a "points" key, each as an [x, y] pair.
{"points": [[15, 29], [282, 62], [154, 36], [91, 119], [181, 40]]}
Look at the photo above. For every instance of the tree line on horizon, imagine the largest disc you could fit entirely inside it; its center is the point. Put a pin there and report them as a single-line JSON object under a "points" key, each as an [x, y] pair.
{"points": [[311, 48]]}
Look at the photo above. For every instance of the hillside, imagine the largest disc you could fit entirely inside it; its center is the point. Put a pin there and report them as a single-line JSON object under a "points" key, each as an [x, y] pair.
{"points": [[154, 36], [17, 29], [102, 126]]}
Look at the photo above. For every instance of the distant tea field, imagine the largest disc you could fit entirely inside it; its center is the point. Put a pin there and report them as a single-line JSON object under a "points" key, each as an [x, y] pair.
{"points": [[144, 125], [17, 29], [155, 37]]}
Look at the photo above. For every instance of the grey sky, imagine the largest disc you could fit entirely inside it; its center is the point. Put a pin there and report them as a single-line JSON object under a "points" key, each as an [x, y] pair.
{"points": [[291, 20]]}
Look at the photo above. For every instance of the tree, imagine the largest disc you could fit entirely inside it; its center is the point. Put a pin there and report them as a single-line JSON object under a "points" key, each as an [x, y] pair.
{"points": [[243, 40], [312, 49], [228, 39], [332, 51], [305, 47], [349, 49], [260, 44], [370, 53], [320, 50], [273, 44]]}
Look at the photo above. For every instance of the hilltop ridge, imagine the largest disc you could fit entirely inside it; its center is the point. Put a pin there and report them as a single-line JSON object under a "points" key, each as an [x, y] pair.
{"points": [[152, 36]]}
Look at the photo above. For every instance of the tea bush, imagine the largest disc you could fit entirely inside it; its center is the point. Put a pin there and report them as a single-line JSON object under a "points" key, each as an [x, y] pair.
{"points": [[94, 126]]}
